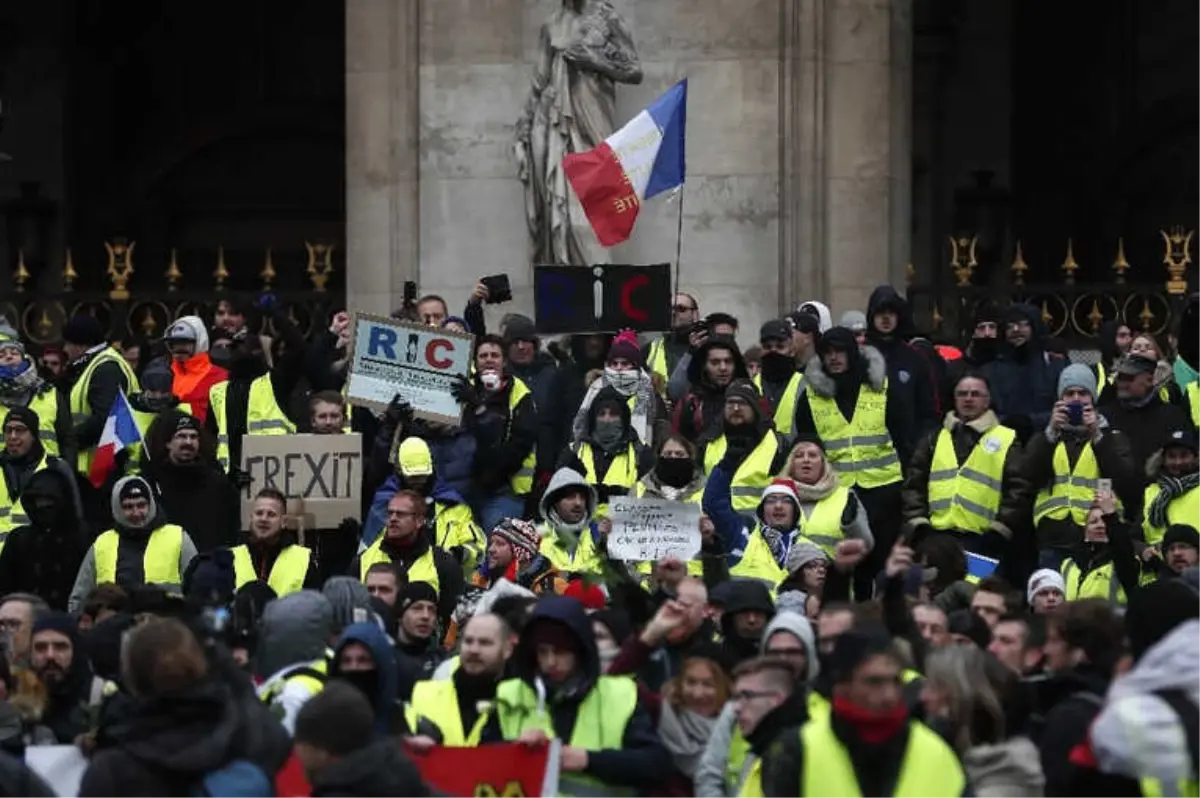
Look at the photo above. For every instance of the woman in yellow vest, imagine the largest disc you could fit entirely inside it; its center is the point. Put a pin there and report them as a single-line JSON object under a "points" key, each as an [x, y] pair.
{"points": [[830, 512], [270, 553], [140, 549], [1105, 565], [610, 455], [674, 478], [1174, 496]]}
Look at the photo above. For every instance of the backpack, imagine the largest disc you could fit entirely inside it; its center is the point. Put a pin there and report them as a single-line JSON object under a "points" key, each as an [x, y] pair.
{"points": [[240, 778]]}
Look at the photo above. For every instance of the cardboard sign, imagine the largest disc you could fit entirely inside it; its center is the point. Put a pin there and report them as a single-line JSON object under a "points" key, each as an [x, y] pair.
{"points": [[578, 299], [497, 770], [646, 530], [419, 363], [324, 471]]}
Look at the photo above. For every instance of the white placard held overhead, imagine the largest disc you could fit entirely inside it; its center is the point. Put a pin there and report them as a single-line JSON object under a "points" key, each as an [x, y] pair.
{"points": [[650, 529]]}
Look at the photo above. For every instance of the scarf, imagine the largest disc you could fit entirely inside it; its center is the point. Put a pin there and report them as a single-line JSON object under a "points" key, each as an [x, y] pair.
{"points": [[778, 542], [823, 487], [655, 486], [685, 734], [1170, 488], [18, 391], [641, 416], [872, 727]]}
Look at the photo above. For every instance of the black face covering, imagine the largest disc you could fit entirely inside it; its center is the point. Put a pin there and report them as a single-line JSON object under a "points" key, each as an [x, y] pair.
{"points": [[247, 365], [983, 350], [367, 682], [675, 472], [43, 512], [777, 367]]}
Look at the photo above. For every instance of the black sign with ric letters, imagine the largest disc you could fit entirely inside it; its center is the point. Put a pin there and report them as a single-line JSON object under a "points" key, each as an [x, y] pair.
{"points": [[586, 299]]}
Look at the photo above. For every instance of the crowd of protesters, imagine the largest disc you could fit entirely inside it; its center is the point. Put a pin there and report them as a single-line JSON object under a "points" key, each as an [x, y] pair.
{"points": [[926, 567]]}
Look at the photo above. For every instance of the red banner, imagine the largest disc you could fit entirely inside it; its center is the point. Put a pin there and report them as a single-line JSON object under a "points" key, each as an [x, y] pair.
{"points": [[504, 770]]}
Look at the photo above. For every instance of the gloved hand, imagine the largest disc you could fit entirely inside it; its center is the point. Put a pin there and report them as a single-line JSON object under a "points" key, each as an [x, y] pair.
{"points": [[240, 478], [266, 301], [465, 393], [399, 411]]}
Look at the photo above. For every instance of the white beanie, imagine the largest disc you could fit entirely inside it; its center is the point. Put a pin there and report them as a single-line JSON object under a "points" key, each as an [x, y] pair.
{"points": [[1042, 579]]}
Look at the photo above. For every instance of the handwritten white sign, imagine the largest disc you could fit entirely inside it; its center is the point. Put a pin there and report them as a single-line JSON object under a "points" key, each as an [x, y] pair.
{"points": [[650, 529]]}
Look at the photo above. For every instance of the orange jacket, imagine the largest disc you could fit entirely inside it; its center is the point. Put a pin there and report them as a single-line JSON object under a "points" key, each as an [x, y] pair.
{"points": [[193, 378]]}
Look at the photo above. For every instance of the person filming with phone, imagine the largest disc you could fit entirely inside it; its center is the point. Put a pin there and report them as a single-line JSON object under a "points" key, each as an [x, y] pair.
{"points": [[1066, 462]]}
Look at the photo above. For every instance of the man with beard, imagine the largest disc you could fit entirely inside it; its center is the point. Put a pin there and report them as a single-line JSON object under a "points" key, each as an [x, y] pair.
{"points": [[454, 706], [571, 540], [364, 658], [403, 542], [778, 380], [72, 692], [1174, 496], [22, 458], [271, 553], [664, 354], [417, 649], [250, 402], [22, 386], [747, 448], [142, 548], [182, 464], [712, 367], [44, 554], [980, 350]]}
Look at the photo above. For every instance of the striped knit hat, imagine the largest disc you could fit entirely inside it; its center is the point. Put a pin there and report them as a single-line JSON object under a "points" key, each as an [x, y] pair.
{"points": [[522, 536]]}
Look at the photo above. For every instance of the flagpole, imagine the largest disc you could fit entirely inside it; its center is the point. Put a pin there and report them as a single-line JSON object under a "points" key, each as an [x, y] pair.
{"points": [[679, 239]]}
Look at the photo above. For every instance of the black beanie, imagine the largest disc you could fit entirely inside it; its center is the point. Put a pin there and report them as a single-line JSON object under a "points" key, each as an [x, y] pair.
{"points": [[855, 647], [414, 592], [840, 338], [83, 331], [1181, 533], [24, 415], [134, 488], [744, 389], [58, 622], [971, 626]]}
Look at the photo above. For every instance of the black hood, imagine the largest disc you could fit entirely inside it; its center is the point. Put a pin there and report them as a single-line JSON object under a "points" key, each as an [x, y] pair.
{"points": [[569, 613], [842, 338], [1106, 338], [1029, 313], [695, 372], [378, 769], [742, 595], [51, 484], [885, 296], [607, 395], [580, 359]]}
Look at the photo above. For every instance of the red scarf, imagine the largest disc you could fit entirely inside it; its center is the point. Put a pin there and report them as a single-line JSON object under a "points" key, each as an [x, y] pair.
{"points": [[872, 727]]}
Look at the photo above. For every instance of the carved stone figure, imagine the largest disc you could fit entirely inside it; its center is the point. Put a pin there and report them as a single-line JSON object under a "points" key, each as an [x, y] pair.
{"points": [[585, 49]]}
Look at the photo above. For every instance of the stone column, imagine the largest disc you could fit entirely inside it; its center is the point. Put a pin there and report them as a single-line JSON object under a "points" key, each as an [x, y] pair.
{"points": [[382, 157], [846, 149]]}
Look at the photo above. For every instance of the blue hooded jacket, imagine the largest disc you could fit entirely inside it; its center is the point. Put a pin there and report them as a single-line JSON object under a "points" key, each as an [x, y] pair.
{"points": [[371, 636], [377, 517]]}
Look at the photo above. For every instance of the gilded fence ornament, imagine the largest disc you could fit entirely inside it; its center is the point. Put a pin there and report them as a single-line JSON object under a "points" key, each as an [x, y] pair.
{"points": [[69, 273], [1095, 316], [148, 323], [962, 258], [120, 266], [268, 271], [1069, 264], [1146, 316], [21, 275], [1177, 255], [1019, 267], [1120, 265], [221, 273], [174, 275], [320, 264]]}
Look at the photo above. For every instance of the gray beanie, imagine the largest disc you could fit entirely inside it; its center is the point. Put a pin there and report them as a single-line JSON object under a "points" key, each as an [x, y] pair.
{"points": [[801, 554], [1077, 375], [346, 594]]}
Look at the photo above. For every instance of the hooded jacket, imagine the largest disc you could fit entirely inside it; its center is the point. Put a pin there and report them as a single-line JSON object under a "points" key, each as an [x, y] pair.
{"points": [[172, 742], [1024, 381], [601, 459], [388, 711], [639, 761], [293, 632], [918, 368], [195, 376], [44, 556], [569, 536], [376, 522], [131, 548], [503, 437], [198, 496], [867, 367], [380, 769], [700, 414]]}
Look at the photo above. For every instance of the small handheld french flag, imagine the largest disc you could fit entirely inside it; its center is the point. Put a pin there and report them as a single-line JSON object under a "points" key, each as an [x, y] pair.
{"points": [[639, 161], [120, 432]]}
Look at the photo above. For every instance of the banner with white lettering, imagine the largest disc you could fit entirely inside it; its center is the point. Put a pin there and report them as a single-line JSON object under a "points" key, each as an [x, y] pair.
{"points": [[324, 471], [420, 363], [648, 529]]}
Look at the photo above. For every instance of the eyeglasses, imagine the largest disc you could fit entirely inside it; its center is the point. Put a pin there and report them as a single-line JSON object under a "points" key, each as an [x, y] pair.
{"points": [[11, 624], [400, 514]]}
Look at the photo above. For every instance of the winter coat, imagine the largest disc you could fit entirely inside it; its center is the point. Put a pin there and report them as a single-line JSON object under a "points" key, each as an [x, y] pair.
{"points": [[293, 631], [380, 769], [44, 560], [1024, 383], [503, 439], [200, 498], [916, 369], [541, 376], [1147, 427], [388, 709], [700, 414]]}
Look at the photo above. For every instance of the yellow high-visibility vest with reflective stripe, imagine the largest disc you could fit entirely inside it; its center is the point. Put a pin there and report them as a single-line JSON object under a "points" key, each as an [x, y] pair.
{"points": [[586, 559], [437, 701], [423, 570], [1100, 582], [1073, 490], [785, 411], [522, 481], [454, 525], [12, 514], [967, 497], [160, 562], [759, 563], [263, 415], [860, 449], [753, 475], [313, 682], [80, 411], [287, 572], [45, 404], [822, 524], [1153, 788], [656, 363], [1183, 509]]}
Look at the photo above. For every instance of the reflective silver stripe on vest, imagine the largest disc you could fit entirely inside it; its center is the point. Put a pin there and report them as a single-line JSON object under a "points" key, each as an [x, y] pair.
{"points": [[524, 472], [966, 504], [824, 540], [745, 490], [48, 435], [79, 418], [969, 474], [259, 426], [866, 465], [862, 440]]}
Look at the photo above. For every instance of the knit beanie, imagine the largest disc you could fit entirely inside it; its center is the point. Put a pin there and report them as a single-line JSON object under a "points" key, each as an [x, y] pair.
{"points": [[780, 486], [520, 328], [414, 592], [746, 391], [1077, 375], [1042, 579], [350, 600], [83, 330], [210, 578], [801, 554], [9, 337], [56, 621], [522, 536], [1181, 533], [157, 376], [625, 346], [25, 416]]}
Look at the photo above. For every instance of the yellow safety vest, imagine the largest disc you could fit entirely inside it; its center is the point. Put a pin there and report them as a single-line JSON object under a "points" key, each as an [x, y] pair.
{"points": [[600, 724], [930, 767], [749, 779], [1153, 788], [80, 411], [822, 524], [694, 567], [785, 412], [586, 559], [12, 514], [861, 449], [45, 404], [423, 570], [1101, 582], [753, 475], [621, 473], [656, 363], [522, 481], [1073, 490], [311, 675], [436, 700], [1193, 395], [758, 563], [1184, 509], [143, 419], [454, 525], [160, 563], [967, 497], [287, 573], [736, 771], [263, 414]]}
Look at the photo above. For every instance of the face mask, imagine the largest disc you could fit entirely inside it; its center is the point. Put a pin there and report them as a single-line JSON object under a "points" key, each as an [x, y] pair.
{"points": [[491, 381], [623, 382], [777, 367], [675, 472], [12, 372], [608, 434], [367, 682], [41, 514]]}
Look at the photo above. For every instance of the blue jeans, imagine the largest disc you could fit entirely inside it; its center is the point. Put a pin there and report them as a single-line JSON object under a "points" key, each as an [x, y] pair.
{"points": [[491, 510]]}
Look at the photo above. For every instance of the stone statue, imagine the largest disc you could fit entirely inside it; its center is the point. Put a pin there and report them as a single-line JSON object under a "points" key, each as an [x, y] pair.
{"points": [[585, 49]]}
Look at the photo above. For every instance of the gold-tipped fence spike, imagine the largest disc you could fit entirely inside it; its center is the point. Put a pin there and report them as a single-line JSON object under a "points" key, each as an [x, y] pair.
{"points": [[1177, 256], [1019, 267], [221, 273], [44, 324], [120, 266], [1069, 264], [69, 273], [148, 324], [1047, 316], [21, 275], [320, 264], [1095, 316], [268, 271], [1146, 316], [1120, 264], [174, 275]]}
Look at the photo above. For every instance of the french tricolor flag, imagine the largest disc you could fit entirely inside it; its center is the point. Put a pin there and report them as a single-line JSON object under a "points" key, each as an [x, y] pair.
{"points": [[120, 432], [639, 161]]}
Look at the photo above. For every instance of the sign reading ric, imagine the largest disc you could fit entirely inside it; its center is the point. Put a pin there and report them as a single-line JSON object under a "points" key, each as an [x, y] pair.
{"points": [[577, 299], [420, 363], [323, 470]]}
